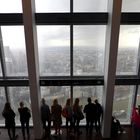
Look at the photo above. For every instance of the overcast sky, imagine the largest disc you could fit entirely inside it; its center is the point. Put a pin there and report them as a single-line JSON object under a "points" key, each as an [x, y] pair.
{"points": [[8, 6], [13, 36]]}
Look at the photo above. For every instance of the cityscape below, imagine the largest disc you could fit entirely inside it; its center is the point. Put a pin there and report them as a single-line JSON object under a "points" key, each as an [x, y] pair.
{"points": [[55, 61]]}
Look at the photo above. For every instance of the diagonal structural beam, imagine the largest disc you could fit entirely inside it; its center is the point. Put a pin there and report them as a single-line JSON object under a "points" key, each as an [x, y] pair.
{"points": [[33, 65], [3, 65], [112, 35]]}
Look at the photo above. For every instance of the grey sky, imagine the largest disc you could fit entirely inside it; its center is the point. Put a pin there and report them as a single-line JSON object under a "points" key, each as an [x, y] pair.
{"points": [[88, 35], [8, 6], [13, 36]]}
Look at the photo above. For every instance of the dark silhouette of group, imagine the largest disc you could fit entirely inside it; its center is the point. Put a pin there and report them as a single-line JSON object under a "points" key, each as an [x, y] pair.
{"points": [[9, 116], [93, 113], [72, 113]]}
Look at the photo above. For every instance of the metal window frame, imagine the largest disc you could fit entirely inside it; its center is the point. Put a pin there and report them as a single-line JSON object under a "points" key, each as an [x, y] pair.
{"points": [[71, 19]]}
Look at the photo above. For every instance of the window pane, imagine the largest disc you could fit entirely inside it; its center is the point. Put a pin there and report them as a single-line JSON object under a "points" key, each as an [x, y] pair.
{"points": [[83, 93], [128, 50], [18, 94], [138, 97], [52, 6], [123, 102], [131, 6], [10, 6], [54, 50], [61, 93], [90, 5], [89, 44], [2, 103], [14, 49]]}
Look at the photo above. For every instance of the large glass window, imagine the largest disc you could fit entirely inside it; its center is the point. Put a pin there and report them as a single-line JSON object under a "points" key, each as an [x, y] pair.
{"points": [[2, 103], [10, 6], [54, 50], [122, 102], [44, 6], [130, 6], [14, 50], [128, 50], [89, 45], [83, 92], [18, 94], [90, 5], [61, 93]]}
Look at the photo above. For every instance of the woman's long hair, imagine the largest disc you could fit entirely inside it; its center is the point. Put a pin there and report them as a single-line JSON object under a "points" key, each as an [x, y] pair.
{"points": [[55, 102], [76, 104], [68, 102], [7, 107]]}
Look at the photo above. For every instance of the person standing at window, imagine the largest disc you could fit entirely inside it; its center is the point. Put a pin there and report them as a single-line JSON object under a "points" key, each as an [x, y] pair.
{"points": [[24, 119], [67, 112], [78, 115], [90, 111], [56, 111], [99, 113], [136, 123], [9, 116], [45, 117]]}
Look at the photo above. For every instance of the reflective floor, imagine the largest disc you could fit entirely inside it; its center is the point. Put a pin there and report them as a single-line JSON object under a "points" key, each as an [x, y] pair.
{"points": [[127, 135]]}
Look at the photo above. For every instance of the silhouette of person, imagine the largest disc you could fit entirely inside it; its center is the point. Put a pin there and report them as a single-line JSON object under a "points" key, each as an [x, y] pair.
{"points": [[115, 126], [9, 116], [77, 115], [136, 123], [25, 115], [99, 113], [56, 111], [90, 111], [69, 115], [45, 117]]}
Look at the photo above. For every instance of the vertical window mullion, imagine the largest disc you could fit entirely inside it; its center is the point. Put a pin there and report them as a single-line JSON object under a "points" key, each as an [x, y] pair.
{"points": [[3, 65], [71, 51]]}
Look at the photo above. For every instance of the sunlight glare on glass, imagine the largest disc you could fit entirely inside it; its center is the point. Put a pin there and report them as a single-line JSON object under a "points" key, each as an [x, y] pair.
{"points": [[10, 6], [130, 5], [13, 36], [90, 5], [129, 36], [52, 6]]}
